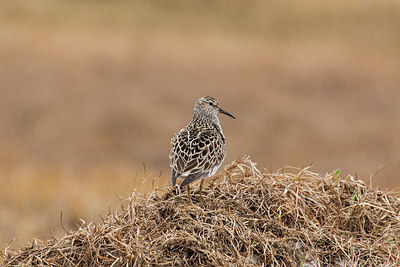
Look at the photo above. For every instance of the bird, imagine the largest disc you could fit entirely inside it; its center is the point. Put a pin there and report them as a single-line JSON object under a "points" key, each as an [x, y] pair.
{"points": [[198, 150]]}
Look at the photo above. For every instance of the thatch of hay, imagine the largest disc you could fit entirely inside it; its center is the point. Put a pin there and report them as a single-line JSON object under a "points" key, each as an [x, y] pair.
{"points": [[248, 218]]}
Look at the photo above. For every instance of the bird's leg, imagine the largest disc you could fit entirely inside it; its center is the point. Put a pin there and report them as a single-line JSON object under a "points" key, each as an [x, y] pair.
{"points": [[201, 191], [188, 193]]}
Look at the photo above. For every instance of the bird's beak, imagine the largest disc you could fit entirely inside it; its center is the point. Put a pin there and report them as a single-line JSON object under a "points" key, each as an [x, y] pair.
{"points": [[226, 113]]}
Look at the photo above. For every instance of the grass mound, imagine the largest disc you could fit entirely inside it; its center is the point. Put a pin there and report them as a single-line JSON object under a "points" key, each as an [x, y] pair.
{"points": [[248, 218]]}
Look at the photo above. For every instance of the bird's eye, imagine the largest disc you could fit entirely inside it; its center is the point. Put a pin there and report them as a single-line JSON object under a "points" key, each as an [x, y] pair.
{"points": [[210, 103]]}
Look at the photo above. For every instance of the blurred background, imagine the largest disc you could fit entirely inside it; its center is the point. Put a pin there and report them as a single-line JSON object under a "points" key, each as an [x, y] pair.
{"points": [[91, 90]]}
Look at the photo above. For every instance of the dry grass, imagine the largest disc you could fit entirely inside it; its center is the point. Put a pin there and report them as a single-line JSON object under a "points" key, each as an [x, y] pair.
{"points": [[249, 217], [33, 198]]}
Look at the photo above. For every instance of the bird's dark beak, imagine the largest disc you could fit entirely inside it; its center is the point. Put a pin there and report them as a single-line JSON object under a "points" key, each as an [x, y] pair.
{"points": [[226, 113]]}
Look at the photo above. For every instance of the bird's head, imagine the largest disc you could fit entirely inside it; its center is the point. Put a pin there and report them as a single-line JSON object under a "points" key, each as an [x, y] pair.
{"points": [[209, 106]]}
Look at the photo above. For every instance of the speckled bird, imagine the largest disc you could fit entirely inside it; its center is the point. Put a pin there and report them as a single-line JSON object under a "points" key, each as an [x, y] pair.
{"points": [[199, 149]]}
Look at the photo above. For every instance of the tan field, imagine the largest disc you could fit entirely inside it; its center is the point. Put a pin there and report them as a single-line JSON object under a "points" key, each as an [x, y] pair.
{"points": [[93, 91]]}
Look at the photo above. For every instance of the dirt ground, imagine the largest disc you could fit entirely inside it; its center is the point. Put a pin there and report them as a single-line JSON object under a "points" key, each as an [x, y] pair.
{"points": [[92, 91]]}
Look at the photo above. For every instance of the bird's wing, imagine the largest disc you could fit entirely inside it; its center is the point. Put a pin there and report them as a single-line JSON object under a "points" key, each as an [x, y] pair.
{"points": [[195, 153]]}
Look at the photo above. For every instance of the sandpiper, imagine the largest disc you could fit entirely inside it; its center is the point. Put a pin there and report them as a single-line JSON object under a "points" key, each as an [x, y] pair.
{"points": [[199, 149]]}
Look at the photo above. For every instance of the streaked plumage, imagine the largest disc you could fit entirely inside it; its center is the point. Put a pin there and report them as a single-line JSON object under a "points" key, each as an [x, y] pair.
{"points": [[199, 149]]}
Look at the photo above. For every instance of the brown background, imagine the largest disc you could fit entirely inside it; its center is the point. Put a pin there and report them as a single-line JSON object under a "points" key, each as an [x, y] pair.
{"points": [[91, 89]]}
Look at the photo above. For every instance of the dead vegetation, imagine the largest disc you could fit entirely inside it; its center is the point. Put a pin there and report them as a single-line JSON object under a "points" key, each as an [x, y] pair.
{"points": [[249, 217]]}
